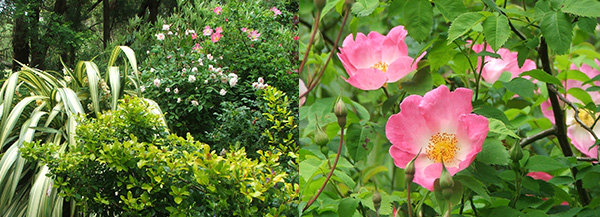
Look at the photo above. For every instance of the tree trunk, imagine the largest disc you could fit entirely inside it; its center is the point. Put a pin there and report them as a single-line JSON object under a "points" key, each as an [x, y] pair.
{"points": [[106, 20], [19, 42], [153, 6], [38, 48]]}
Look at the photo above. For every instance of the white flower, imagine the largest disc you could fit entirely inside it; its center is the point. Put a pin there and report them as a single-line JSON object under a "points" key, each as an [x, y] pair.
{"points": [[157, 82], [209, 56], [167, 90], [169, 33], [192, 78], [261, 80], [223, 92], [233, 81], [142, 88], [200, 62], [147, 52], [232, 75], [160, 36], [178, 100], [184, 69], [166, 27], [212, 76], [195, 103], [176, 90], [68, 79], [206, 81], [255, 85], [211, 68], [194, 69], [152, 70]]}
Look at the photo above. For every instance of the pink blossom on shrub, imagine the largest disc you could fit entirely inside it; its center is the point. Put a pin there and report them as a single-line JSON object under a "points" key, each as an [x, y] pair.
{"points": [[195, 103], [166, 27], [218, 10], [160, 36], [494, 67], [275, 10], [439, 127], [176, 90], [157, 82], [373, 60], [215, 37], [580, 138], [254, 35], [207, 31], [302, 90], [244, 29], [192, 79], [167, 90], [194, 35], [222, 92], [296, 38], [196, 47], [219, 30]]}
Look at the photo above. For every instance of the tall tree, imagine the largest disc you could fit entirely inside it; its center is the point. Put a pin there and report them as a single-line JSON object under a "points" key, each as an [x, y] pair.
{"points": [[106, 20], [19, 42]]}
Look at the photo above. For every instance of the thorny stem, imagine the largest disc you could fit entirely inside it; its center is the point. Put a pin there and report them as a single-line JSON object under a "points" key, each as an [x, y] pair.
{"points": [[478, 76], [310, 42], [589, 159], [314, 83], [538, 136], [561, 131], [337, 157]]}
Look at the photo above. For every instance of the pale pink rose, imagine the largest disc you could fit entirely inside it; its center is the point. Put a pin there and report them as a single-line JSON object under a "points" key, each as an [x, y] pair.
{"points": [[215, 37], [178, 100], [233, 81], [254, 35], [373, 60], [157, 82], [546, 177], [223, 92], [207, 31], [169, 33], [152, 70], [580, 138], [219, 30], [439, 125], [194, 35], [195, 103], [218, 10], [192, 79], [194, 69], [197, 47], [276, 11], [166, 27], [494, 67], [244, 29], [160, 36], [302, 90], [209, 56], [167, 90], [261, 80], [142, 89], [176, 91]]}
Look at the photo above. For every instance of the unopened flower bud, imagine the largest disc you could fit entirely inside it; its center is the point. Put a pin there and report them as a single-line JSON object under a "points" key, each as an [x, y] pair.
{"points": [[376, 200], [341, 112], [409, 171], [320, 4], [325, 150], [321, 137], [446, 183], [516, 152]]}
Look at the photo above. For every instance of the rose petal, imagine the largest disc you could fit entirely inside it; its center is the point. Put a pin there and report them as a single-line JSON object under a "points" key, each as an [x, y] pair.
{"points": [[441, 108], [367, 79]]}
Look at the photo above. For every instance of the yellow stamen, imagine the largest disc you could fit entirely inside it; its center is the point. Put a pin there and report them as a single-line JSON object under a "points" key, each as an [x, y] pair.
{"points": [[585, 117], [442, 147], [381, 66]]}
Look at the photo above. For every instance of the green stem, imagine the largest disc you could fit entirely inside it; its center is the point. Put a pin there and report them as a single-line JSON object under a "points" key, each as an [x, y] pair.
{"points": [[310, 42], [408, 203]]}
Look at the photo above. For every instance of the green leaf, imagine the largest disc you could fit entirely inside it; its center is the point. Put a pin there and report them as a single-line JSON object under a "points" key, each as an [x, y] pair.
{"points": [[493, 152], [543, 164], [496, 31], [492, 4], [474, 185], [505, 211], [521, 86], [450, 8], [358, 141], [418, 19], [558, 31], [371, 171], [330, 5], [587, 24], [363, 8], [491, 112], [496, 126], [584, 8], [573, 75], [463, 23], [178, 200], [580, 94], [440, 53], [309, 167], [347, 206], [343, 177], [420, 84], [542, 76]]}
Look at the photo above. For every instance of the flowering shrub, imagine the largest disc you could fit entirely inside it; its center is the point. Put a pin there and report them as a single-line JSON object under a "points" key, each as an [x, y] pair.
{"points": [[225, 55], [449, 108], [126, 164]]}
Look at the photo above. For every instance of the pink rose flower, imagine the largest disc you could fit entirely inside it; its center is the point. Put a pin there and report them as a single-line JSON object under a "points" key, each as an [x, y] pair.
{"points": [[373, 60], [218, 10], [439, 125], [244, 29], [160, 36], [546, 177], [581, 138], [166, 27], [194, 35], [215, 37], [276, 11], [218, 30], [296, 38], [207, 31], [494, 67], [254, 35]]}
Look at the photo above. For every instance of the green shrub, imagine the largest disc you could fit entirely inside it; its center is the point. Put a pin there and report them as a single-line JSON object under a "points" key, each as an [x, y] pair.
{"points": [[126, 164], [225, 70]]}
